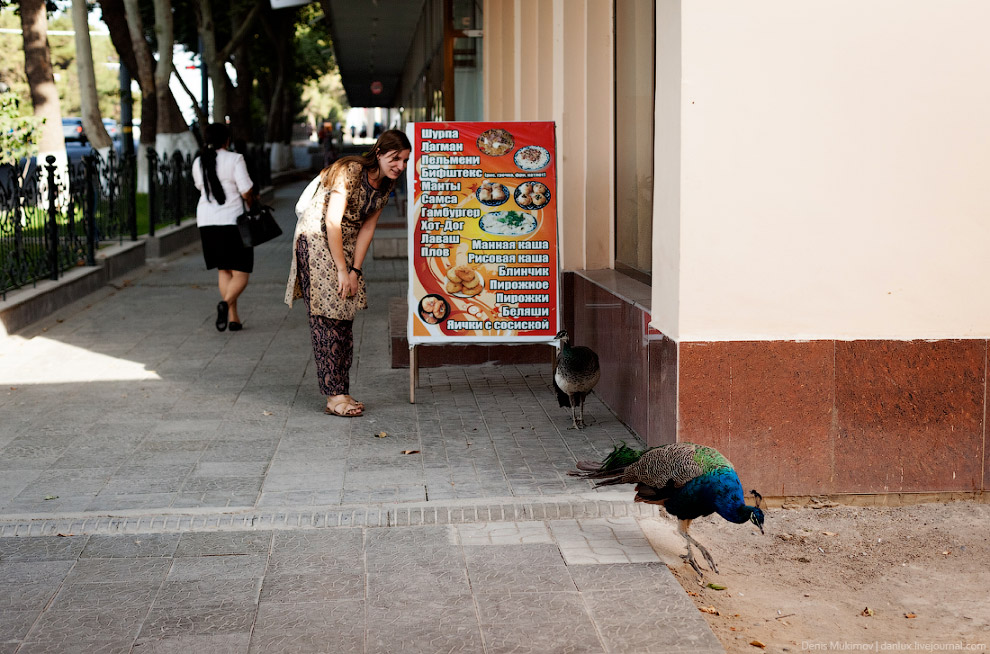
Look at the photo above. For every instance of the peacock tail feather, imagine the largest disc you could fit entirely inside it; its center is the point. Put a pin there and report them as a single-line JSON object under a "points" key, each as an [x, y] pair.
{"points": [[620, 456]]}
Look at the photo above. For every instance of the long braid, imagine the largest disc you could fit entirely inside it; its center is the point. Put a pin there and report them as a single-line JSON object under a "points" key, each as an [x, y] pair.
{"points": [[215, 138]]}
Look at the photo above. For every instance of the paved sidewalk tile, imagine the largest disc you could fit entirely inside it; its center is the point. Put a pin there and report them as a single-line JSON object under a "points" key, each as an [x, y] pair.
{"points": [[166, 488], [602, 540]]}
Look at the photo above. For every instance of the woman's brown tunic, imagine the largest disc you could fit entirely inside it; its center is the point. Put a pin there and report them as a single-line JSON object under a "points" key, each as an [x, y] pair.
{"points": [[312, 225]]}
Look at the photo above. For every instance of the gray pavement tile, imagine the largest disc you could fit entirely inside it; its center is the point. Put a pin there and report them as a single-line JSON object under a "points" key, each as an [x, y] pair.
{"points": [[38, 504], [223, 644], [230, 469], [116, 499], [653, 578], [42, 548], [309, 627], [239, 485], [334, 584], [319, 481], [315, 563], [633, 627], [208, 593], [130, 547], [60, 631], [67, 481], [342, 543], [436, 626], [386, 542], [537, 623], [25, 596], [112, 597], [234, 566], [219, 499], [34, 572], [240, 450], [536, 568], [299, 498], [416, 582], [197, 620], [200, 544], [404, 493], [15, 624], [76, 646], [115, 570]]}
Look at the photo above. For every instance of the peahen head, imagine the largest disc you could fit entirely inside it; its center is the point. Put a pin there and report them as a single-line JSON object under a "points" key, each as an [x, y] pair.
{"points": [[756, 517], [562, 336]]}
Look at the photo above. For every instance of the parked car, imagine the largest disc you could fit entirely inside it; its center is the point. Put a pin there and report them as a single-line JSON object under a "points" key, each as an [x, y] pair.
{"points": [[72, 130], [113, 129]]}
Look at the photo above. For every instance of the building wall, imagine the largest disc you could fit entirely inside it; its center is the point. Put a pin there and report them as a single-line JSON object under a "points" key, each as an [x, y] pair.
{"points": [[819, 215], [552, 60], [829, 180]]}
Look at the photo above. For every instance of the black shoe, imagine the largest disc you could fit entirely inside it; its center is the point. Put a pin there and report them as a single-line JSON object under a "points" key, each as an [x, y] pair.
{"points": [[235, 326], [222, 309]]}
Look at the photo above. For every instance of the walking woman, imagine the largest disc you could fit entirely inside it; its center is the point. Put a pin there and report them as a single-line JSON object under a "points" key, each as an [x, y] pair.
{"points": [[338, 213], [222, 179]]}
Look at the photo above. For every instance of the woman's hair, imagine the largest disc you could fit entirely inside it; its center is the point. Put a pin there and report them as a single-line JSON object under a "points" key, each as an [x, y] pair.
{"points": [[391, 140], [215, 138]]}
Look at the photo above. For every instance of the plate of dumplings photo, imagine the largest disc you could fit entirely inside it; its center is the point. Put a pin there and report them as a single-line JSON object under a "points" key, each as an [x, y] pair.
{"points": [[532, 195], [491, 193]]}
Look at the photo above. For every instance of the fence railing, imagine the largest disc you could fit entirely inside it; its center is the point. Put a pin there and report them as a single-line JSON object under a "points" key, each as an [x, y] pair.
{"points": [[52, 220]]}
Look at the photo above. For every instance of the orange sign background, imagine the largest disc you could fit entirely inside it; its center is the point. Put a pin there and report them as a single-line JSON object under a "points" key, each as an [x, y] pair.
{"points": [[482, 232]]}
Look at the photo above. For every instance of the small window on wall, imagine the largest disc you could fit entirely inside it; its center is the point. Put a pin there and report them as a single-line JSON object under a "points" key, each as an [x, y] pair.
{"points": [[635, 48]]}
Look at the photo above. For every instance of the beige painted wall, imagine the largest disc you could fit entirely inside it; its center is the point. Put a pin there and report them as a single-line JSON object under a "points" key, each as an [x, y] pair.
{"points": [[822, 169], [552, 60]]}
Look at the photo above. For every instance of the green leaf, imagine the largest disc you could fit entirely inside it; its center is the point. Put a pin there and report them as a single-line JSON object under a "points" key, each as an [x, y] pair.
{"points": [[716, 586]]}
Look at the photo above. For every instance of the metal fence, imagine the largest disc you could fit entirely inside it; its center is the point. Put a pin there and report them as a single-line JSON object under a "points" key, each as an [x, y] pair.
{"points": [[51, 221]]}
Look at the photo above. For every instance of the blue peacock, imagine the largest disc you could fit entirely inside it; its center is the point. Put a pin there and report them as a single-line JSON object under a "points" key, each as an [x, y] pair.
{"points": [[688, 480]]}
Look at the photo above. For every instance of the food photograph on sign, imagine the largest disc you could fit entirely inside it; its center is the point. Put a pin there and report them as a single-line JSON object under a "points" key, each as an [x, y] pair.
{"points": [[483, 232]]}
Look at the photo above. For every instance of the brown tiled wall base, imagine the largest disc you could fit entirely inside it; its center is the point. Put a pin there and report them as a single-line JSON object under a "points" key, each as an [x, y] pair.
{"points": [[433, 356], [797, 418], [841, 416]]}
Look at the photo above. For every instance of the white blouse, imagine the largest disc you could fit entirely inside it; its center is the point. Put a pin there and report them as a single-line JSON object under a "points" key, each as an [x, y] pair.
{"points": [[234, 178]]}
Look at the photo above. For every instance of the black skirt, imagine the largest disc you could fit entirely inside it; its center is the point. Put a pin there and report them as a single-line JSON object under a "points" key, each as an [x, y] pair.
{"points": [[222, 248]]}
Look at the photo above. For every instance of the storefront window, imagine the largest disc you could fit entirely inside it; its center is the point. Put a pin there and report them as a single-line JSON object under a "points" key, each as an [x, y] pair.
{"points": [[634, 90]]}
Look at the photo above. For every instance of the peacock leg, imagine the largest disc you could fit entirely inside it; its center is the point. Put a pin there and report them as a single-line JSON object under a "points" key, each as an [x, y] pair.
{"points": [[682, 529], [581, 419], [708, 557], [574, 420]]}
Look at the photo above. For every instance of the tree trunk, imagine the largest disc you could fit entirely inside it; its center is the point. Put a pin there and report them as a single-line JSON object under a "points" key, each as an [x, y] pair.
{"points": [[92, 120], [123, 21], [38, 68], [207, 35], [278, 138], [173, 133]]}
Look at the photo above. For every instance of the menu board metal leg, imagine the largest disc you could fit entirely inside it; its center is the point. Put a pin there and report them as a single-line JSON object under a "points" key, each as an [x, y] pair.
{"points": [[413, 374]]}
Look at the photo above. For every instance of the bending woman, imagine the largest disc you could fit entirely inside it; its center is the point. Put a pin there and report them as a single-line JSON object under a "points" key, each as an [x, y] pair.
{"points": [[222, 179], [338, 213]]}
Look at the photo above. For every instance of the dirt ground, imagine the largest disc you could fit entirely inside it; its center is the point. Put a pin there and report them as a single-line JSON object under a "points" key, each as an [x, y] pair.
{"points": [[831, 578]]}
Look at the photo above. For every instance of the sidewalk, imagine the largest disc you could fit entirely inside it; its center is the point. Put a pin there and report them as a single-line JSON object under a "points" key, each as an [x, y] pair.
{"points": [[165, 487]]}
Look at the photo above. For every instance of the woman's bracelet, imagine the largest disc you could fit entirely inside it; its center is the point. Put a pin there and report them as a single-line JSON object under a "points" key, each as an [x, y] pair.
{"points": [[357, 270]]}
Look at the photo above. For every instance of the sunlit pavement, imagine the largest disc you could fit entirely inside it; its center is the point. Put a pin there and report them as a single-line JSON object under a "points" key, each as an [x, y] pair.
{"points": [[167, 487]]}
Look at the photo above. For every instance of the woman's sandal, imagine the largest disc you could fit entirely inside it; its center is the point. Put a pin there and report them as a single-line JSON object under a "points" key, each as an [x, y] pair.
{"points": [[344, 408], [356, 403]]}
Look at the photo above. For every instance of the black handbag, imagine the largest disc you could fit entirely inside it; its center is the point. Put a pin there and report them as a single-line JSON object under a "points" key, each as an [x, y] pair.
{"points": [[257, 225]]}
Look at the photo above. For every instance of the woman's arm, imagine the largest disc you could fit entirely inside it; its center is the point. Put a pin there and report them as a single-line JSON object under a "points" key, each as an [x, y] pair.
{"points": [[346, 281], [364, 237]]}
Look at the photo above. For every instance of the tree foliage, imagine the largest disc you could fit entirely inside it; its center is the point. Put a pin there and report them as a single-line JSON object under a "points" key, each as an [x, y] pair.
{"points": [[64, 64], [19, 133]]}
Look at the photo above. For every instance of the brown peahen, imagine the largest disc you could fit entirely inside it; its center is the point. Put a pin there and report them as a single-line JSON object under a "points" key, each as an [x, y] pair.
{"points": [[576, 373], [688, 480]]}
